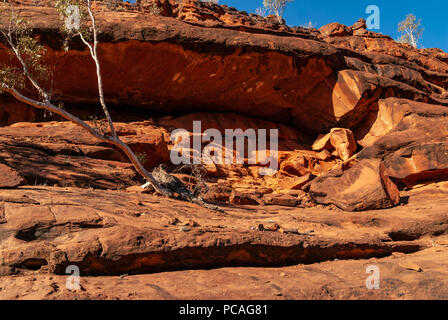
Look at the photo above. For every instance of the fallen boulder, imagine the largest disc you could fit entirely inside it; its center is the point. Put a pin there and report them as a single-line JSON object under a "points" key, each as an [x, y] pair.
{"points": [[341, 140], [364, 186], [284, 200], [242, 198], [344, 142]]}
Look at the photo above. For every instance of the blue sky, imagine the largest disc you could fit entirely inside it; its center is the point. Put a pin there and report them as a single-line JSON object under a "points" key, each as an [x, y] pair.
{"points": [[434, 15]]}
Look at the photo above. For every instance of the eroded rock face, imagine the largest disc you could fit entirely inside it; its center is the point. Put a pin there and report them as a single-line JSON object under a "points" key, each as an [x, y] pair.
{"points": [[61, 153], [315, 81], [230, 69], [110, 233], [343, 142], [9, 178], [411, 138], [363, 186], [334, 29]]}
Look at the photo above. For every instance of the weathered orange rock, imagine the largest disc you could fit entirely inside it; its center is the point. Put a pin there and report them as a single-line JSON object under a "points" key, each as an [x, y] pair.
{"points": [[334, 30], [419, 164], [289, 182], [359, 27], [9, 178], [151, 146], [61, 153], [45, 229], [411, 139], [297, 165], [136, 189], [312, 82], [218, 193], [243, 198], [364, 186], [324, 155], [344, 142], [322, 142], [12, 111], [240, 71], [341, 141], [280, 200], [389, 114], [332, 78]]}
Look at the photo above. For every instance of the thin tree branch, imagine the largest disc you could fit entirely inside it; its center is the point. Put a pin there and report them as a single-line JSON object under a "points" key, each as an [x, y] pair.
{"points": [[114, 139], [54, 109], [41, 91], [110, 140], [98, 70], [86, 43]]}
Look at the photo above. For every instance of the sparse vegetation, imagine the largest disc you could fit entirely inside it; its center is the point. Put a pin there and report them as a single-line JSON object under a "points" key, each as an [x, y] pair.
{"points": [[32, 74], [99, 125], [196, 179], [411, 31], [261, 11], [29, 54], [308, 25], [276, 7], [142, 157]]}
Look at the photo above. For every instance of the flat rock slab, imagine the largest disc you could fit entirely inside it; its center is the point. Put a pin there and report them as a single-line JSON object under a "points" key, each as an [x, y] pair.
{"points": [[343, 279], [9, 178], [107, 233]]}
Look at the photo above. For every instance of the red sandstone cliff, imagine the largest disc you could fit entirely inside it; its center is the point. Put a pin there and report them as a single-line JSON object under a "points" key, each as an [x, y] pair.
{"points": [[361, 119], [212, 59]]}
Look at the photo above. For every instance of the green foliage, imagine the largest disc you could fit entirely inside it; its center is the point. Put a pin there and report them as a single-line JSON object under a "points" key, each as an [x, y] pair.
{"points": [[32, 52], [61, 7], [411, 31], [20, 38], [142, 157], [84, 29], [99, 125], [12, 77]]}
